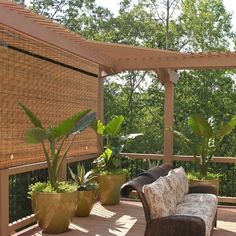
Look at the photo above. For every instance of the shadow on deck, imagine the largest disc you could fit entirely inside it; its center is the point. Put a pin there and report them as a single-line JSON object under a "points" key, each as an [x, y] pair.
{"points": [[127, 219]]}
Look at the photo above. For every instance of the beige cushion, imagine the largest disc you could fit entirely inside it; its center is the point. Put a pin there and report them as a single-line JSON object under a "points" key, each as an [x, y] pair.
{"points": [[159, 198], [182, 177], [200, 205], [178, 183]]}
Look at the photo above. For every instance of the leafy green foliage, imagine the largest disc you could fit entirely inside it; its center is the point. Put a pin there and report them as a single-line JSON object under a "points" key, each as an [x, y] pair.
{"points": [[34, 119], [84, 181], [69, 125], [207, 139], [35, 135], [198, 176], [113, 126], [109, 161], [200, 125], [52, 135], [42, 187]]}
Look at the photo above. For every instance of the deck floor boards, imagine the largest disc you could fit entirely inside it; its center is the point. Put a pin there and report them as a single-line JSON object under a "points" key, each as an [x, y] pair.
{"points": [[127, 219]]}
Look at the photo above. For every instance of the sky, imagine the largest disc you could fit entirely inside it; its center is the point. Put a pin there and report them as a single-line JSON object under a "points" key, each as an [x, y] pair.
{"points": [[113, 5]]}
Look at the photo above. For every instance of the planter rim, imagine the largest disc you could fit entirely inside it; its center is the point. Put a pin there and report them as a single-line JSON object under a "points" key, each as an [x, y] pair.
{"points": [[204, 179], [87, 190], [111, 174], [50, 193]]}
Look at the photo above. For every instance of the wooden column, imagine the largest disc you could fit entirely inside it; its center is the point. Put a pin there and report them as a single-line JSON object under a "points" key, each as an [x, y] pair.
{"points": [[100, 97], [168, 121], [169, 78], [4, 202], [100, 114]]}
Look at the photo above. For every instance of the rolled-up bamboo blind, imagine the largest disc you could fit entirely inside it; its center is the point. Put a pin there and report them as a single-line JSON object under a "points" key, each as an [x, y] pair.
{"points": [[53, 83]]}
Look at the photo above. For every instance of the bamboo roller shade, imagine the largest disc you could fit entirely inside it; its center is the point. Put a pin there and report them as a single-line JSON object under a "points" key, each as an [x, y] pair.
{"points": [[52, 91]]}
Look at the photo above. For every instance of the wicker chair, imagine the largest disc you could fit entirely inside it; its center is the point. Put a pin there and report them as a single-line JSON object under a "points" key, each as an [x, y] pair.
{"points": [[174, 225]]}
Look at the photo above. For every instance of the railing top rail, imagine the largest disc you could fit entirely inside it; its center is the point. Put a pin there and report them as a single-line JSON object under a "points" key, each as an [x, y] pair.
{"points": [[187, 158], [43, 165]]}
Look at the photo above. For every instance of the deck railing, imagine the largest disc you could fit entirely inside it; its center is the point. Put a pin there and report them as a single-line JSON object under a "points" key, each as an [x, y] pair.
{"points": [[16, 207], [225, 166]]}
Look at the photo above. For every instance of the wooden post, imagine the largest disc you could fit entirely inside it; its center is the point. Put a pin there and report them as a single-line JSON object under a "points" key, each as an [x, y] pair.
{"points": [[4, 202], [168, 77], [168, 121], [100, 114]]}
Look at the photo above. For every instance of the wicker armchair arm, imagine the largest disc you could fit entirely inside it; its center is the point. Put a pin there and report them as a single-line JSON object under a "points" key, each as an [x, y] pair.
{"points": [[203, 189], [177, 225], [135, 184]]}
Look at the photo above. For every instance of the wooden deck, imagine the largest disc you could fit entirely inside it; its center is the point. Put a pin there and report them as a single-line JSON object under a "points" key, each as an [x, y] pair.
{"points": [[127, 219]]}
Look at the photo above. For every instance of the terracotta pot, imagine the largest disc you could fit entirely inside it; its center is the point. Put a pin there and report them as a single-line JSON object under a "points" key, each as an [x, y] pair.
{"points": [[213, 182], [85, 202], [54, 211], [109, 188]]}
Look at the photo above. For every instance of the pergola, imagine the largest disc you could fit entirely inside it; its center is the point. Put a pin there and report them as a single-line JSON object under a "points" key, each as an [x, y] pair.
{"points": [[112, 59], [115, 58]]}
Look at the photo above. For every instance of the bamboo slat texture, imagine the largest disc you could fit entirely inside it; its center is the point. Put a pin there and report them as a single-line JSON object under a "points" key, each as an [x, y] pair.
{"points": [[53, 83]]}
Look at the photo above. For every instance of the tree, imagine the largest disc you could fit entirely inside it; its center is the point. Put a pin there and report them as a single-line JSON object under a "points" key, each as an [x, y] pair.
{"points": [[81, 16], [207, 25], [164, 12]]}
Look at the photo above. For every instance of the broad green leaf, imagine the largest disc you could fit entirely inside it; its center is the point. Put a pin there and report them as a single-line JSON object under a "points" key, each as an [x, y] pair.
{"points": [[84, 122], [227, 128], [35, 135], [98, 127], [200, 126], [130, 136], [66, 126], [31, 115], [106, 154], [117, 150], [113, 127], [187, 142]]}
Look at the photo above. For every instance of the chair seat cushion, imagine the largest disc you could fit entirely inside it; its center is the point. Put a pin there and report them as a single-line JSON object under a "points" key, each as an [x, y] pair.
{"points": [[201, 205]]}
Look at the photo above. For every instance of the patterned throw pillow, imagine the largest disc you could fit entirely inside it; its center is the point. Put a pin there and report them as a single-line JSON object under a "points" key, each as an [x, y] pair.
{"points": [[159, 198], [178, 183]]}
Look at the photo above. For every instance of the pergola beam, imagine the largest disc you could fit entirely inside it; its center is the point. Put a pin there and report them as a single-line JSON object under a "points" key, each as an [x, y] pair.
{"points": [[221, 61]]}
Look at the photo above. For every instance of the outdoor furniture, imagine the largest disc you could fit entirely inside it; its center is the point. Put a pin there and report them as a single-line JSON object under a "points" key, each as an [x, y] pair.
{"points": [[171, 207]]}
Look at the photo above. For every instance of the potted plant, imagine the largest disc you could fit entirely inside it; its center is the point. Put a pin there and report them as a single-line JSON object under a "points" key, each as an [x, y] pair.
{"points": [[203, 144], [54, 202], [86, 190], [108, 166]]}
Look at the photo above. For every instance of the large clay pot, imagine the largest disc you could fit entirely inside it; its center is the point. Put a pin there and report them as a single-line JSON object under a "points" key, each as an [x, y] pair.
{"points": [[213, 182], [85, 202], [54, 211], [109, 188]]}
